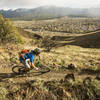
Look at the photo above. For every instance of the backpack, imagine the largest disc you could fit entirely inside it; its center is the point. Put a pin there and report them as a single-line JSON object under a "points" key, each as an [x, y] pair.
{"points": [[23, 52]]}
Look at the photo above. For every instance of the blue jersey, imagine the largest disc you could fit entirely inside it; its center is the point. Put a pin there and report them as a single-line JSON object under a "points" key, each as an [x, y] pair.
{"points": [[28, 56]]}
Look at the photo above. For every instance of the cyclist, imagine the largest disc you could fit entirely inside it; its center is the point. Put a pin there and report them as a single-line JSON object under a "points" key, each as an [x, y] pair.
{"points": [[28, 59]]}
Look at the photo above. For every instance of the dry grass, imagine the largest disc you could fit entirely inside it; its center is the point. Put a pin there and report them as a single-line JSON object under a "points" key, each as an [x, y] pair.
{"points": [[81, 57], [69, 48]]}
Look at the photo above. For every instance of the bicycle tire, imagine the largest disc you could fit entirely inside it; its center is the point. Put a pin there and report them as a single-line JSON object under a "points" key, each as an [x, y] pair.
{"points": [[43, 69], [18, 69]]}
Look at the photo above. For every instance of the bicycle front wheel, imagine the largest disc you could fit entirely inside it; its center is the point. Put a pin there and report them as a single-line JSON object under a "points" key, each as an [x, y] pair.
{"points": [[43, 69]]}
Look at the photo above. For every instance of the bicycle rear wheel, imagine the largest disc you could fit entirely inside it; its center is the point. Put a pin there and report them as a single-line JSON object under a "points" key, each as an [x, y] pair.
{"points": [[18, 69]]}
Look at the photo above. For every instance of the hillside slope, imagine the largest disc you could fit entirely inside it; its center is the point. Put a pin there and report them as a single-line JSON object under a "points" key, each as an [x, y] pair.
{"points": [[89, 40], [61, 82]]}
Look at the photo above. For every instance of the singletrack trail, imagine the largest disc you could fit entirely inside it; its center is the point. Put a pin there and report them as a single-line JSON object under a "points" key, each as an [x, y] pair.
{"points": [[7, 74]]}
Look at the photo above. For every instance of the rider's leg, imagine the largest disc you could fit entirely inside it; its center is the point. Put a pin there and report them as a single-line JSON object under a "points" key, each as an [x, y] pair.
{"points": [[26, 64]]}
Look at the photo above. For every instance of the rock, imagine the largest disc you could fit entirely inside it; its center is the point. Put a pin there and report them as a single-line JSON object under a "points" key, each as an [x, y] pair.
{"points": [[72, 66], [60, 92], [36, 36], [69, 76]]}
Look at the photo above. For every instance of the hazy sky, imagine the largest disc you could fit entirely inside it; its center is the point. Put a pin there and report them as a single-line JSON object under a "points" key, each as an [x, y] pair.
{"points": [[13, 4]]}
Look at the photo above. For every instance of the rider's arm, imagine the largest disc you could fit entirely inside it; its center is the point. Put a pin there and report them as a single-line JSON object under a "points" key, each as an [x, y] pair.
{"points": [[32, 64]]}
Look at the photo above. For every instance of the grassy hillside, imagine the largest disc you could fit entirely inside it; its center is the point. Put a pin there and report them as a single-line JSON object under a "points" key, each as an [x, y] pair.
{"points": [[62, 82]]}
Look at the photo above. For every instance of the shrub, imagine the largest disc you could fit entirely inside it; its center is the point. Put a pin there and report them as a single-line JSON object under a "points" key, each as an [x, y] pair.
{"points": [[8, 32]]}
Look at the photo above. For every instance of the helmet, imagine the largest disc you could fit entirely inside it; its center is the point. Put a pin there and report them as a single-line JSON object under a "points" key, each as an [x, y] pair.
{"points": [[37, 51]]}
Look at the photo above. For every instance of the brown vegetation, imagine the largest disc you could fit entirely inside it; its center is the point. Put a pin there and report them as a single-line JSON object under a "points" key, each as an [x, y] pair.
{"points": [[73, 59]]}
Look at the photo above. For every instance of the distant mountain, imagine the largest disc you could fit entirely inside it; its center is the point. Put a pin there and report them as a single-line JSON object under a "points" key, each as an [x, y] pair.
{"points": [[95, 12], [47, 12]]}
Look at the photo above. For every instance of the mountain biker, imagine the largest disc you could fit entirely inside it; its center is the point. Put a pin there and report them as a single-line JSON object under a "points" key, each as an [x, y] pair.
{"points": [[28, 58]]}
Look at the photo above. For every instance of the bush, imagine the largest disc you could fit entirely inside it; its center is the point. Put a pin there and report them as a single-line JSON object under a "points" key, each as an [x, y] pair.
{"points": [[8, 32]]}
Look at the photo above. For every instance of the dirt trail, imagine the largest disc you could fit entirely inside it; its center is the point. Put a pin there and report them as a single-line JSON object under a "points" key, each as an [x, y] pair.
{"points": [[7, 74]]}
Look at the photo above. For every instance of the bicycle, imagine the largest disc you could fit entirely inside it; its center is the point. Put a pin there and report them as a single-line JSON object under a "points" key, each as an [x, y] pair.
{"points": [[22, 70]]}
